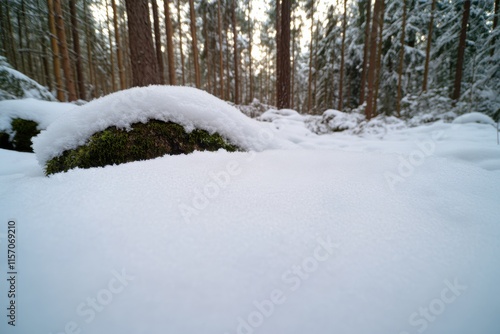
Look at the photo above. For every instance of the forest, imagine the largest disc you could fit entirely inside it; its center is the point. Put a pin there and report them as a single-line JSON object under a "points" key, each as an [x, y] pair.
{"points": [[250, 166], [389, 57]]}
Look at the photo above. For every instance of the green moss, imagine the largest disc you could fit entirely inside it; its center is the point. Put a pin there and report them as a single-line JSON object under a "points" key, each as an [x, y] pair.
{"points": [[22, 130], [5, 141], [144, 141]]}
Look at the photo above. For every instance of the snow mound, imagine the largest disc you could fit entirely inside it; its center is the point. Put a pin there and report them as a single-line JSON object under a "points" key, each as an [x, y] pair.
{"points": [[273, 114], [42, 112], [379, 126], [337, 120], [15, 85], [474, 117], [189, 107]]}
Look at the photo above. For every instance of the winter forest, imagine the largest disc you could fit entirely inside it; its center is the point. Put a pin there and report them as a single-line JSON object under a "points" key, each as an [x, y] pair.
{"points": [[249, 166], [382, 57]]}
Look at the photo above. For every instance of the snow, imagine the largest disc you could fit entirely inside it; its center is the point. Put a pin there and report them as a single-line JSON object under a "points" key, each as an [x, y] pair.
{"points": [[189, 107], [42, 112], [17, 85], [475, 117], [392, 231]]}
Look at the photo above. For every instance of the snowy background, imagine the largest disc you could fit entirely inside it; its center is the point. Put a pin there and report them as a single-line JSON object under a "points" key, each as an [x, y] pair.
{"points": [[380, 228]]}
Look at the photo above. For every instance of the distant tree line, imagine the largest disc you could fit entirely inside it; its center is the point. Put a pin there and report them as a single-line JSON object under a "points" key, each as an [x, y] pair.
{"points": [[369, 54]]}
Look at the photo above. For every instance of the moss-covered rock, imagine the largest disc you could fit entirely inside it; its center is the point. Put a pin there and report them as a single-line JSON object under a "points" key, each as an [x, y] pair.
{"points": [[144, 141], [19, 138]]}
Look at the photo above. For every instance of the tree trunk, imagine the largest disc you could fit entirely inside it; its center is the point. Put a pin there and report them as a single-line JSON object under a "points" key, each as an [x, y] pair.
{"points": [[236, 60], [341, 85], [45, 62], [401, 60], [78, 52], [373, 58], [55, 51], [142, 56], [428, 48], [495, 24], [250, 40], [20, 38], [111, 57], [379, 60], [278, 48], [366, 50], [283, 92], [194, 41], [221, 55], [61, 34], [28, 43], [180, 41], [309, 83], [119, 55], [159, 54], [461, 52], [170, 44], [89, 41]]}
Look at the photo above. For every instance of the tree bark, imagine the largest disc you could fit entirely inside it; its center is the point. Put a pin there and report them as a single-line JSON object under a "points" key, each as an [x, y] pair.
{"points": [[55, 51], [366, 51], [341, 84], [495, 24], [142, 56], [194, 41], [250, 41], [78, 52], [236, 60], [372, 66], [159, 54], [428, 48], [283, 97], [89, 40], [311, 51], [111, 56], [119, 54], [67, 68], [221, 55], [181, 49], [401, 61], [170, 44], [379, 60], [461, 51]]}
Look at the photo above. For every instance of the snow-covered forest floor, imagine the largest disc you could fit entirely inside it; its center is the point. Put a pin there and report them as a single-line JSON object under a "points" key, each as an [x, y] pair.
{"points": [[376, 229]]}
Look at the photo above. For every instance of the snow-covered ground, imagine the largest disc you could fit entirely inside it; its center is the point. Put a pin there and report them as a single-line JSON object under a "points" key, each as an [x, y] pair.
{"points": [[386, 231]]}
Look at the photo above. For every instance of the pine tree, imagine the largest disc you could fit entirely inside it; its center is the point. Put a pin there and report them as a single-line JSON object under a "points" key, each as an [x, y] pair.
{"points": [[66, 64], [170, 43], [194, 44], [428, 48], [461, 51], [142, 56], [372, 66]]}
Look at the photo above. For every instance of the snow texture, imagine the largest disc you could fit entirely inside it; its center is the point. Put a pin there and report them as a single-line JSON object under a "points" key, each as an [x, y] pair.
{"points": [[42, 112], [475, 117], [189, 107], [15, 85]]}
